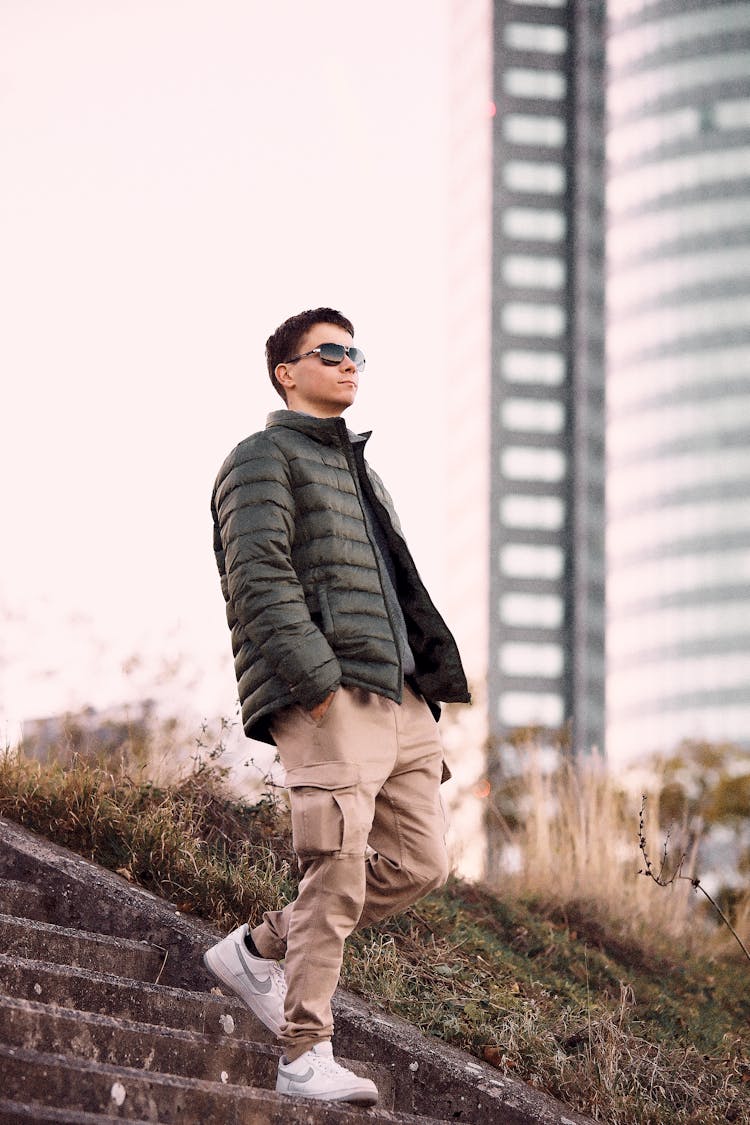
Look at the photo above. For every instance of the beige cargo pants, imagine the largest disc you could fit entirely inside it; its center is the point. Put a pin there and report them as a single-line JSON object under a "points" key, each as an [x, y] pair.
{"points": [[369, 832]]}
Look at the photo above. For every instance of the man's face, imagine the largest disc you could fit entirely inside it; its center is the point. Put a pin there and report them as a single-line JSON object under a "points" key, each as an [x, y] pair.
{"points": [[312, 387]]}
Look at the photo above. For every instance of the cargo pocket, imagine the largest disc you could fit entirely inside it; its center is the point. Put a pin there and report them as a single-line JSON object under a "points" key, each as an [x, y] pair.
{"points": [[323, 800]]}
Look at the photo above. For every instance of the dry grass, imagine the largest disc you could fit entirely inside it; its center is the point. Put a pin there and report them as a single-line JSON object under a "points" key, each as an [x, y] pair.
{"points": [[550, 979]]}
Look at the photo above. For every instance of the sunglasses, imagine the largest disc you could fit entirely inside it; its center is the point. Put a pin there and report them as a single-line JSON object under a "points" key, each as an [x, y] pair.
{"points": [[332, 355]]}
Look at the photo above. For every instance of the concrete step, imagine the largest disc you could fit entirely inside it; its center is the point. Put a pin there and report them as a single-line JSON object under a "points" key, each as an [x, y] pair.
{"points": [[127, 1043], [18, 1113], [206, 1012], [41, 941], [23, 900], [39, 1079]]}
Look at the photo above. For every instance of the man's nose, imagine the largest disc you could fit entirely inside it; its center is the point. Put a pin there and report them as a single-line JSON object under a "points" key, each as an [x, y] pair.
{"points": [[347, 363]]}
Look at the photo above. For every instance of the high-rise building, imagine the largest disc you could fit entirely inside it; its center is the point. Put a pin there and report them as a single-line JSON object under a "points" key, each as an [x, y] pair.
{"points": [[546, 664], [678, 635]]}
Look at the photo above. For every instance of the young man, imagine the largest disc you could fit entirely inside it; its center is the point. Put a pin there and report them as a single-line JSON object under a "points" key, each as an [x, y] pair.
{"points": [[340, 658]]}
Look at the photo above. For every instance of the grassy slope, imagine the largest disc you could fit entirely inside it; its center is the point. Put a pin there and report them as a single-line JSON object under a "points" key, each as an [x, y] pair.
{"points": [[554, 995]]}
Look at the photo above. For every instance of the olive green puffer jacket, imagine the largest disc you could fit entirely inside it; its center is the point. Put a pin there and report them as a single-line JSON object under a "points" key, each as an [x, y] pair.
{"points": [[300, 576]]}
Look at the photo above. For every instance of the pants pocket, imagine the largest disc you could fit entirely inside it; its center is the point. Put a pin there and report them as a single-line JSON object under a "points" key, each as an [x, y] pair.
{"points": [[323, 800]]}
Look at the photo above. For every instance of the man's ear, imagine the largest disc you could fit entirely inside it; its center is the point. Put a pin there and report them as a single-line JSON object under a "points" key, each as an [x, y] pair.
{"points": [[284, 375]]}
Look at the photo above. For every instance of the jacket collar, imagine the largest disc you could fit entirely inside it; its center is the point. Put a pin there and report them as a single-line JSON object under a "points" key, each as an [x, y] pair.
{"points": [[328, 431]]}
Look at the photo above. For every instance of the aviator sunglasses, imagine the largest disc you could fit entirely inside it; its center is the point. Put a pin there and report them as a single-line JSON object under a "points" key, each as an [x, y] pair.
{"points": [[332, 355]]}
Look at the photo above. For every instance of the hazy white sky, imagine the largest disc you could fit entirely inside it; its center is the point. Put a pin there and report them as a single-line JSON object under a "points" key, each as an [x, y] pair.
{"points": [[178, 177]]}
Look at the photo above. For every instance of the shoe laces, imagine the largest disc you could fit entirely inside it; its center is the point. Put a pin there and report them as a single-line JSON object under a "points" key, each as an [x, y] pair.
{"points": [[276, 972], [328, 1065]]}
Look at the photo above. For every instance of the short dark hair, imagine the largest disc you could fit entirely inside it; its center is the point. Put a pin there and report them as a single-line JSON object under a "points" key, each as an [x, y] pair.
{"points": [[285, 341]]}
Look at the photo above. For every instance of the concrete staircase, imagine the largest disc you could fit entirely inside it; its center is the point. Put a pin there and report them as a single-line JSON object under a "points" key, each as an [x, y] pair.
{"points": [[107, 1013]]}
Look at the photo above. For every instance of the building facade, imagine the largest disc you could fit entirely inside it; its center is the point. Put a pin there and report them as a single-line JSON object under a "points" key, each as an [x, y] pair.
{"points": [[546, 653], [678, 385]]}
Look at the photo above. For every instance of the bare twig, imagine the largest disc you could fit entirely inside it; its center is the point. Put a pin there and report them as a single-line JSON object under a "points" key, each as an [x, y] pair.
{"points": [[662, 881]]}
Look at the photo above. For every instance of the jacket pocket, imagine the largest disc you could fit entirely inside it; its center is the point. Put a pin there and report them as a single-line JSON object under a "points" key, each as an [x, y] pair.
{"points": [[326, 617]]}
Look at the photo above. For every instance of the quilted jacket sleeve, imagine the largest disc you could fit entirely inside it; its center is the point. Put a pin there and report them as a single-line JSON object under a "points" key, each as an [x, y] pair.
{"points": [[253, 506]]}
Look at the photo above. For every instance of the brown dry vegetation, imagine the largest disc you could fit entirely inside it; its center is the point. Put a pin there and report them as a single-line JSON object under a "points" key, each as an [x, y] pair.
{"points": [[574, 974]]}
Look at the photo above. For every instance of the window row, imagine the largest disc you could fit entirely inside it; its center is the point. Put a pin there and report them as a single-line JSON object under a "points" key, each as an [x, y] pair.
{"points": [[666, 728], [532, 659], [531, 82], [532, 611], [533, 367], [679, 421], [663, 276], [656, 475], [536, 561], [533, 224], [535, 177], [644, 234], [531, 708], [665, 327], [652, 680], [629, 586], [534, 129], [647, 531], [521, 318], [533, 415], [634, 44], [548, 39], [531, 463], [532, 513], [632, 189], [674, 626], [541, 3], [526, 271], [649, 134], [628, 95], [642, 381]]}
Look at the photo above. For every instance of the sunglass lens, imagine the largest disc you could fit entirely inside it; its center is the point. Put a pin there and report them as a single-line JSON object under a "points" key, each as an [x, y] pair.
{"points": [[332, 353], [357, 356]]}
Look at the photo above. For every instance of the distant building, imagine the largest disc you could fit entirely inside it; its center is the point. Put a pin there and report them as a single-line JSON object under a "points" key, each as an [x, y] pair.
{"points": [[546, 581], [678, 438]]}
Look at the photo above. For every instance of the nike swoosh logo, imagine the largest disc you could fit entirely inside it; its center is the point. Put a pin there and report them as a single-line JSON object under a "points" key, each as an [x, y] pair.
{"points": [[261, 985], [299, 1077]]}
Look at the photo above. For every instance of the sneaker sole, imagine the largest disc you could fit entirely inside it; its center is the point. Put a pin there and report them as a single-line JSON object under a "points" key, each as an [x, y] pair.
{"points": [[349, 1099], [230, 982]]}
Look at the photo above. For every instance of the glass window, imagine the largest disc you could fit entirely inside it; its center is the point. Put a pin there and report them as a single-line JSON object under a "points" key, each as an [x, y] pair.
{"points": [[547, 368], [651, 133], [631, 189], [525, 82], [670, 274], [540, 3], [546, 38], [633, 45], [670, 422], [672, 627], [527, 272], [646, 233], [534, 176], [733, 113], [533, 415], [646, 531], [647, 381], [544, 513], [521, 319], [646, 86], [651, 680], [526, 462], [530, 129], [661, 327], [649, 580], [533, 224], [532, 611], [531, 708], [661, 474], [526, 560], [529, 659]]}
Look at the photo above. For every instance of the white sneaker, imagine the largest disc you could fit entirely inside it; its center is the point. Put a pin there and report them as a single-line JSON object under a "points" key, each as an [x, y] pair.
{"points": [[316, 1074], [258, 981]]}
